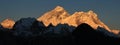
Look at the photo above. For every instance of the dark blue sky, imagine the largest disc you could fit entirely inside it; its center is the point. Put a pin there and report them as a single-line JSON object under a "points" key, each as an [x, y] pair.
{"points": [[108, 10]]}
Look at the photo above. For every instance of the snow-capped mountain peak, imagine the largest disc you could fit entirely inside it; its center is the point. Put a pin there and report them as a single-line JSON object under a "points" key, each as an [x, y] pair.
{"points": [[54, 16], [59, 8], [60, 16], [8, 23]]}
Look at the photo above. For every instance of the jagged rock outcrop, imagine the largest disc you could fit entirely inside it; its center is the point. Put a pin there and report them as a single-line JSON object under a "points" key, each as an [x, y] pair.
{"points": [[8, 23], [59, 15]]}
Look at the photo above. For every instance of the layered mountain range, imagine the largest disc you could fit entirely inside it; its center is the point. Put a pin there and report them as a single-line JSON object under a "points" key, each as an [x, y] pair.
{"points": [[60, 16], [58, 27]]}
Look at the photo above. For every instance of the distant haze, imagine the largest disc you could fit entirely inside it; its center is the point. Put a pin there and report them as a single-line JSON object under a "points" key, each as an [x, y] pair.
{"points": [[107, 10]]}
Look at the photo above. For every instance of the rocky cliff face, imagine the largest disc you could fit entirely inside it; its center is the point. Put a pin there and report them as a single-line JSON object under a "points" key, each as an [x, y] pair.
{"points": [[60, 16], [8, 23]]}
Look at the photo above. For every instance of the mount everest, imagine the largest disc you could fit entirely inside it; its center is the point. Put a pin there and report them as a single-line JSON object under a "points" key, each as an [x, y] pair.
{"points": [[58, 23]]}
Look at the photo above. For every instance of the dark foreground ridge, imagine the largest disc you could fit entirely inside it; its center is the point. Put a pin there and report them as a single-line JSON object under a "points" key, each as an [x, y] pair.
{"points": [[29, 31]]}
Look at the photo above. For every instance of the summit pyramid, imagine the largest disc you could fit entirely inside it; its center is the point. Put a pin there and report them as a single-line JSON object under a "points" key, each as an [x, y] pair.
{"points": [[54, 16]]}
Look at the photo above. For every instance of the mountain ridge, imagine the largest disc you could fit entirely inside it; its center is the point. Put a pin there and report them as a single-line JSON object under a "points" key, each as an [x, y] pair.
{"points": [[58, 27], [75, 19], [60, 16]]}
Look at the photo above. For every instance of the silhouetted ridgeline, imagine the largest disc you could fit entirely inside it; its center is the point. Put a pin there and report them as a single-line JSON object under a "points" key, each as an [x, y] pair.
{"points": [[84, 34], [29, 31]]}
